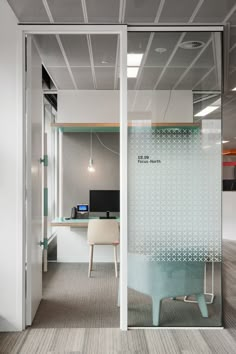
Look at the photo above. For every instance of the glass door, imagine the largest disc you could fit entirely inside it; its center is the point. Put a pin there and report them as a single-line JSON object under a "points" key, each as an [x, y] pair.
{"points": [[174, 178]]}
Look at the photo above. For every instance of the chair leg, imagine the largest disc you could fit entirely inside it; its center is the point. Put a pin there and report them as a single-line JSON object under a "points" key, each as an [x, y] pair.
{"points": [[90, 260], [202, 305], [156, 306], [115, 260]]}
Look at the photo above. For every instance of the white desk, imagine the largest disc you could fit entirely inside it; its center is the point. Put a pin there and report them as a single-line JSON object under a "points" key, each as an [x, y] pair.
{"points": [[72, 246]]}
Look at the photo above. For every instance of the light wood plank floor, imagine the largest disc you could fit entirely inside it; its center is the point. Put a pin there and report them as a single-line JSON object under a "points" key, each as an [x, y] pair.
{"points": [[112, 340]]}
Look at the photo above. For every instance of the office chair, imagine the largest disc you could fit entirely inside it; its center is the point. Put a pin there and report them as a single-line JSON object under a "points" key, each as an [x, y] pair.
{"points": [[103, 232]]}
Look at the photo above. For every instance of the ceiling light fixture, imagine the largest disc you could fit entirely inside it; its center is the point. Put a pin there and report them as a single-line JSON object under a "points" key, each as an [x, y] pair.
{"points": [[223, 142], [160, 50], [234, 89], [90, 165], [191, 45], [206, 111], [134, 59], [132, 72]]}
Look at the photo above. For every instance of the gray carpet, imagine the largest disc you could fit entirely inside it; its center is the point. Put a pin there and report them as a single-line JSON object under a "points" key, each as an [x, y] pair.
{"points": [[72, 300], [114, 341]]}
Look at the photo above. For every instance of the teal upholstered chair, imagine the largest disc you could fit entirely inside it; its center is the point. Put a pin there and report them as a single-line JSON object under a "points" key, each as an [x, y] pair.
{"points": [[166, 279]]}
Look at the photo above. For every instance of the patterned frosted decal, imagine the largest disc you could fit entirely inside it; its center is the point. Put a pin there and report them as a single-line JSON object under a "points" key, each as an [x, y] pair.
{"points": [[174, 200]]}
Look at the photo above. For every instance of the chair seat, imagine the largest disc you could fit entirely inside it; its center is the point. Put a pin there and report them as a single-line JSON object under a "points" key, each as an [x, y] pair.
{"points": [[98, 243]]}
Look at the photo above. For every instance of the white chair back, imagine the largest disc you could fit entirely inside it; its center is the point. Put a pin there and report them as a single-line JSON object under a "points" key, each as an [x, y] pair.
{"points": [[104, 232]]}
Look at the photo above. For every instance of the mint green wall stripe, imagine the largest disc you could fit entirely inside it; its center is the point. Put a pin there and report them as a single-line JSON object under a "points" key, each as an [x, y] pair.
{"points": [[45, 207]]}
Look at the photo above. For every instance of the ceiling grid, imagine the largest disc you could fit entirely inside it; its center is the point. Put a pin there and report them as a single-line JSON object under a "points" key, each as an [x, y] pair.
{"points": [[48, 11]]}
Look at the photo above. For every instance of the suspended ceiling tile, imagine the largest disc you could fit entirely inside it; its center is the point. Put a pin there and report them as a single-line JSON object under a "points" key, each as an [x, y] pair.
{"points": [[232, 59], [232, 36], [61, 77], [141, 10], [184, 57], [105, 78], [29, 10], [83, 78], [192, 78], [49, 50], [104, 49], [206, 60], [232, 19], [104, 11], [209, 83], [66, 11], [131, 83], [166, 41], [178, 12], [76, 48], [232, 80], [213, 11], [170, 78], [149, 78], [137, 41]]}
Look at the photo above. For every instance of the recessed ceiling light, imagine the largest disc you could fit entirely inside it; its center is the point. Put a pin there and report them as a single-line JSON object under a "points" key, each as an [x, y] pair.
{"points": [[134, 59], [191, 44], [234, 89], [206, 111], [104, 62], [160, 50], [225, 141], [132, 72]]}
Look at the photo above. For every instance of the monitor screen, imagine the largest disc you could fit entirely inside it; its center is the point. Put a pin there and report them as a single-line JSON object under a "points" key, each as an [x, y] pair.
{"points": [[107, 200], [82, 207]]}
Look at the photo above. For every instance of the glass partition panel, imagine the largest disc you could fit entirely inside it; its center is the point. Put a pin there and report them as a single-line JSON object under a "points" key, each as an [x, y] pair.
{"points": [[174, 179]]}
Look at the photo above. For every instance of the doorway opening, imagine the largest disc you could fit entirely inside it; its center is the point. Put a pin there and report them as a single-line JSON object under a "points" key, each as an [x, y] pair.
{"points": [[75, 115]]}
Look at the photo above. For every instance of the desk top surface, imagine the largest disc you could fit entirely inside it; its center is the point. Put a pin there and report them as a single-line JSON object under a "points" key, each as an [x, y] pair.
{"points": [[74, 222]]}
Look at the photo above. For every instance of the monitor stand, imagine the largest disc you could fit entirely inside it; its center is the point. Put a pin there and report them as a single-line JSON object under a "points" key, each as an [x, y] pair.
{"points": [[107, 216]]}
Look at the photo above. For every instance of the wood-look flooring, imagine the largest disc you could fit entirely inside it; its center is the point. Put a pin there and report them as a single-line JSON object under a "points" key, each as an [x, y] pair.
{"points": [[112, 340]]}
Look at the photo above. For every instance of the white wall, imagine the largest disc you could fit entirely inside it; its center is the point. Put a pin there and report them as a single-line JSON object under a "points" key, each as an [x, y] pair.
{"points": [[10, 307], [103, 106], [229, 215]]}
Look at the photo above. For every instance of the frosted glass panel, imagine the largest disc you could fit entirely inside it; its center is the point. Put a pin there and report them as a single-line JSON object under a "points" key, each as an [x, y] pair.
{"points": [[175, 204], [174, 183]]}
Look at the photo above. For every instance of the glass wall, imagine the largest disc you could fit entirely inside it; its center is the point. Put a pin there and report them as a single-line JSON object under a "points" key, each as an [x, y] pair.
{"points": [[174, 179]]}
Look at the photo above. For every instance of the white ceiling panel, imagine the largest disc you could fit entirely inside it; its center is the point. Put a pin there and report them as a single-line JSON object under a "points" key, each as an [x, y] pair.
{"points": [[169, 78], [137, 42], [149, 78], [103, 11], [232, 62], [232, 80], [206, 60], [76, 48], [179, 13], [232, 36], [66, 11], [131, 83], [209, 83], [29, 10], [192, 78], [83, 78], [214, 11], [232, 19], [104, 49], [105, 78], [62, 78], [141, 10], [161, 40], [49, 50], [184, 57]]}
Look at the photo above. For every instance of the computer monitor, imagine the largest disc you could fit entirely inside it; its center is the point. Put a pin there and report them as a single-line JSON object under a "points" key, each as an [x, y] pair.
{"points": [[104, 201]]}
